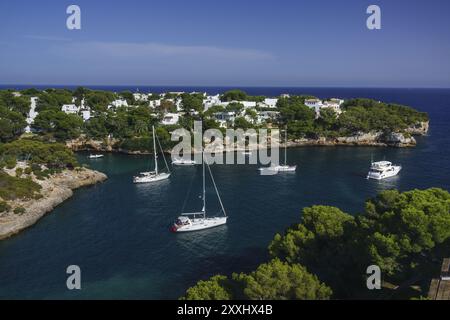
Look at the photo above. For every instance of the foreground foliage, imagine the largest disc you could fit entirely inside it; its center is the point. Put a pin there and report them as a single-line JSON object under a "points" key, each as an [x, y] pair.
{"points": [[405, 234]]}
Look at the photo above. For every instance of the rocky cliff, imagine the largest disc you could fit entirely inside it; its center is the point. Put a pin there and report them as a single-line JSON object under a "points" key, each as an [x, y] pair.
{"points": [[55, 190]]}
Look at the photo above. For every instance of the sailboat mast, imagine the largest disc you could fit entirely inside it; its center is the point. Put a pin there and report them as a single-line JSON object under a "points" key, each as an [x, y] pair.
{"points": [[285, 147], [154, 150], [204, 190]]}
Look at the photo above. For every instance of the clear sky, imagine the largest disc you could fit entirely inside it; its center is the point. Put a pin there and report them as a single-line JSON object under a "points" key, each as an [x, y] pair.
{"points": [[230, 43]]}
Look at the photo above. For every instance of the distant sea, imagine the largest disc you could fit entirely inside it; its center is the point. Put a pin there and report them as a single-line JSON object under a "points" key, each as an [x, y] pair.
{"points": [[117, 232]]}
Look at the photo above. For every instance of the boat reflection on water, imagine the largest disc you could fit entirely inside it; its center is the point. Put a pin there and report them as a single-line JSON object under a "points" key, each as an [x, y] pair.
{"points": [[387, 184]]}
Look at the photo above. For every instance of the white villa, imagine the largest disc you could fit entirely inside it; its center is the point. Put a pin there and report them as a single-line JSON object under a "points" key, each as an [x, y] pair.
{"points": [[119, 103], [263, 116], [269, 103], [140, 97], [84, 111], [224, 117], [170, 119], [317, 105], [86, 114], [154, 103], [70, 109], [211, 101], [334, 104], [32, 114]]}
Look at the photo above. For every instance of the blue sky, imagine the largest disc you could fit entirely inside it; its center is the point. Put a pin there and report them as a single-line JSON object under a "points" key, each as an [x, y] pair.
{"points": [[230, 43]]}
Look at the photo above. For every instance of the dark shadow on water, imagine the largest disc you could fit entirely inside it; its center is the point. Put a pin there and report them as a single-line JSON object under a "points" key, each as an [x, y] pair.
{"points": [[246, 261]]}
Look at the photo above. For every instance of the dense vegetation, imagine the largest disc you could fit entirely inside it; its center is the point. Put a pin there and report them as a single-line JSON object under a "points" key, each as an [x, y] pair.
{"points": [[131, 126], [12, 188], [51, 155], [239, 95], [360, 115], [13, 112], [406, 234]]}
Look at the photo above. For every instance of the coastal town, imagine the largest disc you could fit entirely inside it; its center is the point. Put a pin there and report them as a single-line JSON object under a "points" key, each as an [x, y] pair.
{"points": [[257, 112], [107, 121]]}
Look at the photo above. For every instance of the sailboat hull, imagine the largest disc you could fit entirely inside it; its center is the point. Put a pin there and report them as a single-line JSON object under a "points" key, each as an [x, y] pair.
{"points": [[201, 224], [151, 178]]}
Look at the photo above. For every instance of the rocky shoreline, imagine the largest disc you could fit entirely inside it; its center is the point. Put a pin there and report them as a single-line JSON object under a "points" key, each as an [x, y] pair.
{"points": [[55, 190], [368, 139]]}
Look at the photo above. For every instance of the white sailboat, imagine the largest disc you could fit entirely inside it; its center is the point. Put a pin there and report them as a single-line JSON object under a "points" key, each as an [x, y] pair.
{"points": [[196, 221], [153, 176], [284, 167]]}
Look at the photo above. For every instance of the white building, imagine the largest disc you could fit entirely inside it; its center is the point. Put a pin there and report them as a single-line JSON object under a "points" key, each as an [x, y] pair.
{"points": [[334, 104], [268, 103], [140, 97], [247, 104], [226, 116], [154, 103], [264, 116], [170, 119], [120, 103], [32, 114], [86, 114], [70, 109], [211, 101]]}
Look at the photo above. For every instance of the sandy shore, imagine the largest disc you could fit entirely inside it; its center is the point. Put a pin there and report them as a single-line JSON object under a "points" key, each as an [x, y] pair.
{"points": [[55, 190]]}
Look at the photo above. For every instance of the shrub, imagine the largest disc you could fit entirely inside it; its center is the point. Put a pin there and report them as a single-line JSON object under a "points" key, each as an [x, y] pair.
{"points": [[19, 210], [4, 206], [11, 163], [19, 172], [12, 188]]}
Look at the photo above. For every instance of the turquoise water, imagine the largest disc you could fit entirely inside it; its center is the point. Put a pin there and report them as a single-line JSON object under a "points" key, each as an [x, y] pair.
{"points": [[117, 231]]}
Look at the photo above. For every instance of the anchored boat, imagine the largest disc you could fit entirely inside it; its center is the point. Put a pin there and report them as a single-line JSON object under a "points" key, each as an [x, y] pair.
{"points": [[154, 176], [197, 221], [382, 170]]}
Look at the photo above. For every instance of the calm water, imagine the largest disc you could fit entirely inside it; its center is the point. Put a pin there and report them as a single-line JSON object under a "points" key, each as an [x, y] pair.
{"points": [[117, 232]]}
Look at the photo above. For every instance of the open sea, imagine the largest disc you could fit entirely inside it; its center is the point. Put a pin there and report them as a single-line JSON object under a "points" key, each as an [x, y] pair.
{"points": [[117, 232]]}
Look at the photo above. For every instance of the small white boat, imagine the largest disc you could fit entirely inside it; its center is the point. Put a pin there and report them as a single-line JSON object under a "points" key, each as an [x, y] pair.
{"points": [[281, 168], [382, 170], [153, 176], [95, 156], [183, 162], [286, 168], [188, 222]]}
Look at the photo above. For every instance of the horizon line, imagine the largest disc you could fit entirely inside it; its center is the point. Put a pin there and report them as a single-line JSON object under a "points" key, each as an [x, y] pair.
{"points": [[49, 86]]}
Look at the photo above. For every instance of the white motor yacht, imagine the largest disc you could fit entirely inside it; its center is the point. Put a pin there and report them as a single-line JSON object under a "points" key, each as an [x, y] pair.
{"points": [[382, 170]]}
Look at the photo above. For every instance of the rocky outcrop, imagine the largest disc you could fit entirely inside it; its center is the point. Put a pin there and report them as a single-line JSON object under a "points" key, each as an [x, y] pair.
{"points": [[419, 129], [83, 144], [55, 190]]}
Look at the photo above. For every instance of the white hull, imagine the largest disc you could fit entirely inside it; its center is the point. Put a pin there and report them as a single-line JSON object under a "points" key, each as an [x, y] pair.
{"points": [[279, 169], [393, 171], [184, 163], [286, 168], [151, 178], [202, 224], [97, 156]]}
